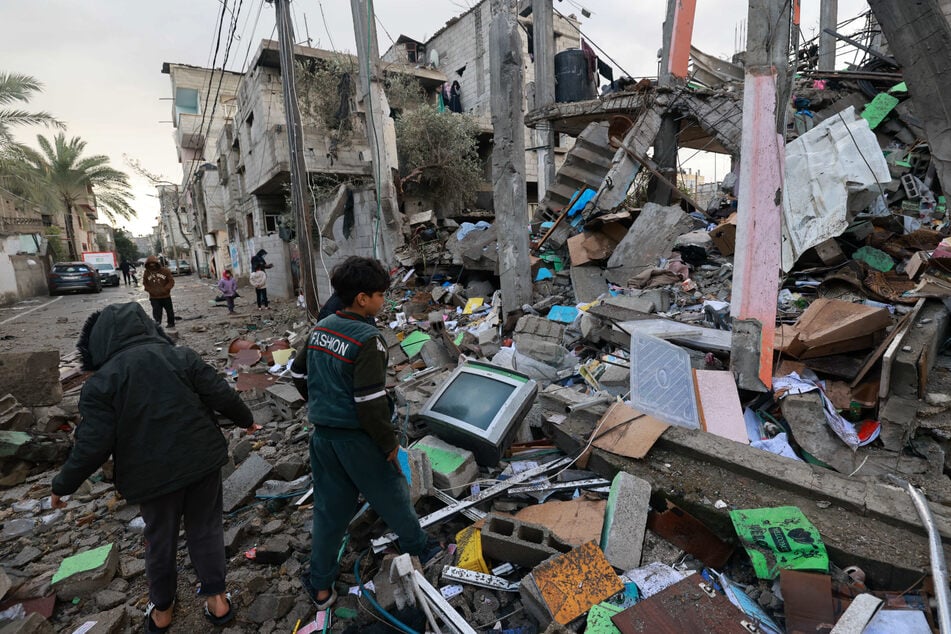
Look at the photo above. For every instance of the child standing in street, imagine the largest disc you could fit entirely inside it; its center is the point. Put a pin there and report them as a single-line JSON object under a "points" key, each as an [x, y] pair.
{"points": [[229, 288], [353, 448], [258, 280]]}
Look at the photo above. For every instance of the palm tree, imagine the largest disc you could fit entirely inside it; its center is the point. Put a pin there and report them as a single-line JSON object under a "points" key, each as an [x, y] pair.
{"points": [[60, 174], [15, 87]]}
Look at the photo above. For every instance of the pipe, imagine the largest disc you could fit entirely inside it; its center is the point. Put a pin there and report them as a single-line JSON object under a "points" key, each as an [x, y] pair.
{"points": [[939, 567]]}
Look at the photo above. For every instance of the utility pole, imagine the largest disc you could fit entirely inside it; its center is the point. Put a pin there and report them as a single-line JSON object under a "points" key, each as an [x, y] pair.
{"points": [[828, 19], [759, 200], [508, 155], [381, 132], [675, 56], [295, 142], [543, 28]]}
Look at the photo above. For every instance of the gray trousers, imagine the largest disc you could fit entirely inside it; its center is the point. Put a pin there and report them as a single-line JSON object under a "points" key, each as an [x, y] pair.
{"points": [[200, 505]]}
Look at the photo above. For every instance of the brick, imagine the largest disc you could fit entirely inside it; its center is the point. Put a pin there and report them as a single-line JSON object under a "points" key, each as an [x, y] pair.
{"points": [[508, 540], [625, 520]]}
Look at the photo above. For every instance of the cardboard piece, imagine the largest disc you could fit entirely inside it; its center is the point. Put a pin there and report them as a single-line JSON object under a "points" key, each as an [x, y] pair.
{"points": [[832, 326], [594, 246], [724, 235], [628, 432], [573, 522], [689, 534], [719, 403], [690, 605], [808, 601], [571, 583]]}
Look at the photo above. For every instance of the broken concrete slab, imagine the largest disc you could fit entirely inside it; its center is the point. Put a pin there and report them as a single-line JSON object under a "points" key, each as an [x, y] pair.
{"points": [[244, 481], [650, 238], [32, 624], [85, 572], [588, 282], [919, 350], [112, 621], [625, 521], [807, 420], [269, 607], [32, 377]]}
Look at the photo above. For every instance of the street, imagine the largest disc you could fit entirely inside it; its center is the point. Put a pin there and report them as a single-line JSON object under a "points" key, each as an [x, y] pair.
{"points": [[44, 323]]}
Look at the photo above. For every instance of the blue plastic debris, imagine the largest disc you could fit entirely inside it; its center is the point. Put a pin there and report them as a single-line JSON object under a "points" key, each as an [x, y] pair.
{"points": [[563, 314], [544, 274]]}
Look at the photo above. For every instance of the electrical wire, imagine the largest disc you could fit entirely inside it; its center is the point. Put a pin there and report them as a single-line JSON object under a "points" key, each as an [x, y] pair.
{"points": [[247, 51], [326, 28], [582, 34]]}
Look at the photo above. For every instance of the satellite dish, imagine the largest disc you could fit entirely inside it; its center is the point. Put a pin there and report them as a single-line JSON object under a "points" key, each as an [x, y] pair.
{"points": [[434, 58]]}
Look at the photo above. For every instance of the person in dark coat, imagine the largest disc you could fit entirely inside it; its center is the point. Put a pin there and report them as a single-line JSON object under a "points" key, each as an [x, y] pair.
{"points": [[125, 266], [258, 260], [151, 406]]}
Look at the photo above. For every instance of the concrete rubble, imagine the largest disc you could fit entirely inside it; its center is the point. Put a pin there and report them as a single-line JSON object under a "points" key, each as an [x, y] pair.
{"points": [[639, 435]]}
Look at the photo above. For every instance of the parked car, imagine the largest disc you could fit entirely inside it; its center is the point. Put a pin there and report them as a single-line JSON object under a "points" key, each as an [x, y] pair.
{"points": [[108, 274], [74, 276], [179, 267]]}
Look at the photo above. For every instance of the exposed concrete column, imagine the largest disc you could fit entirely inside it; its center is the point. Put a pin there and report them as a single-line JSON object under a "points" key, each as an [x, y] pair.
{"points": [[675, 56], [381, 130], [919, 36], [759, 206], [508, 155], [544, 43], [828, 19]]}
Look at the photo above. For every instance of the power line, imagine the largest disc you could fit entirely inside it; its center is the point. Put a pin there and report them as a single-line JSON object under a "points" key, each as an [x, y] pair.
{"points": [[247, 52], [582, 34], [324, 18]]}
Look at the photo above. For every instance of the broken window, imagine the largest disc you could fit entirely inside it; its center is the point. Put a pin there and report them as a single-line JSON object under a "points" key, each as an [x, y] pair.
{"points": [[272, 223], [186, 102]]}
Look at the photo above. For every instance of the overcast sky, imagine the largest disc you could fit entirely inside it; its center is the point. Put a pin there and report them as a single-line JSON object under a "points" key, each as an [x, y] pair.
{"points": [[101, 60]]}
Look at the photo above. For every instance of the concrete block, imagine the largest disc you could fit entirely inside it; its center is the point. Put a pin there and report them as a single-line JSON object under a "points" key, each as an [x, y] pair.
{"points": [[640, 304], [32, 624], [418, 472], [233, 538], [508, 540], [625, 520], [11, 442], [110, 622], [86, 572], [286, 398], [274, 551], [453, 468], [246, 478], [32, 377], [540, 339], [269, 607], [5, 583], [290, 468], [919, 351]]}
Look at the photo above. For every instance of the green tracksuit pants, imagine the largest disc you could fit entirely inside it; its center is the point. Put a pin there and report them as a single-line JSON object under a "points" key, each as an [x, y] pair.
{"points": [[345, 463]]}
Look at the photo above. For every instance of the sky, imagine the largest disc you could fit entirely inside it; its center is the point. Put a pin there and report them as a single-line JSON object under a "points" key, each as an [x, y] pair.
{"points": [[100, 60]]}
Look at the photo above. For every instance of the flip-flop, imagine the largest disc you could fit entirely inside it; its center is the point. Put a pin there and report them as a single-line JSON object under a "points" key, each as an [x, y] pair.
{"points": [[326, 603], [225, 618], [150, 626]]}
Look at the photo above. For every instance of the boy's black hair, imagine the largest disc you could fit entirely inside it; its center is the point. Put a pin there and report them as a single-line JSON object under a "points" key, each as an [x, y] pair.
{"points": [[357, 275]]}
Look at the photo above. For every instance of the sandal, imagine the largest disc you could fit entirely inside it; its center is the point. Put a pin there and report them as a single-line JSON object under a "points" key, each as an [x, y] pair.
{"points": [[150, 625], [326, 603], [225, 618]]}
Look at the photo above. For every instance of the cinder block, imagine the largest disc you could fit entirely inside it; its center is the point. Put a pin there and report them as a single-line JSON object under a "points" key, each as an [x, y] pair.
{"points": [[243, 482], [625, 520], [508, 540], [286, 398], [453, 468]]}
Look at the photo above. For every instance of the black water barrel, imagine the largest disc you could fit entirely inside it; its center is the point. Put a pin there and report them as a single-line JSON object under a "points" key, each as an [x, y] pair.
{"points": [[571, 77]]}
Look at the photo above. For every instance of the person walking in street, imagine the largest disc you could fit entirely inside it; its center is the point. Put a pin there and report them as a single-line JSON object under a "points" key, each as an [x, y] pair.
{"points": [[258, 260], [258, 280], [158, 282], [125, 266], [163, 436], [229, 289], [353, 447]]}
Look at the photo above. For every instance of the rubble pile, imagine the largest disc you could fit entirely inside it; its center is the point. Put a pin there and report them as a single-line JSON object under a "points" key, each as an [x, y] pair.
{"points": [[588, 461]]}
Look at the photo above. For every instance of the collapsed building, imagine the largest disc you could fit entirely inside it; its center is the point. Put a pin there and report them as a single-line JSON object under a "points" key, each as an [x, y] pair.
{"points": [[602, 458]]}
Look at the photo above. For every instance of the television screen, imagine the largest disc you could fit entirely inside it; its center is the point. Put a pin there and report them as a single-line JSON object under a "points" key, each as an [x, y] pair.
{"points": [[474, 399]]}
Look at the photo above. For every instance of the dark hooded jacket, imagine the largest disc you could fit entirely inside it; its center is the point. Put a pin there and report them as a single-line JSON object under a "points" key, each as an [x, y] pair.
{"points": [[149, 404], [258, 260]]}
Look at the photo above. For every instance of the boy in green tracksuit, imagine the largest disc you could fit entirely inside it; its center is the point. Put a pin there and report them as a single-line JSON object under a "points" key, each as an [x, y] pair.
{"points": [[353, 448]]}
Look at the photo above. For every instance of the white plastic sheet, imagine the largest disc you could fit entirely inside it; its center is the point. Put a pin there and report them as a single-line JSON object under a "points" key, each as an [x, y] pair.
{"points": [[837, 159]]}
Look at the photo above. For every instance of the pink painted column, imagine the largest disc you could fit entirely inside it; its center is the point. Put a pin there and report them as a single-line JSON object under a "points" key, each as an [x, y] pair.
{"points": [[680, 37], [759, 207]]}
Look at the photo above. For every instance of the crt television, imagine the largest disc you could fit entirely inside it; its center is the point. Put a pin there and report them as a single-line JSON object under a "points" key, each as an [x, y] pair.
{"points": [[479, 408]]}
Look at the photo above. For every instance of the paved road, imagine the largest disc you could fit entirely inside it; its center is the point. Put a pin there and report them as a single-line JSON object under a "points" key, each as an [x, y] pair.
{"points": [[42, 323]]}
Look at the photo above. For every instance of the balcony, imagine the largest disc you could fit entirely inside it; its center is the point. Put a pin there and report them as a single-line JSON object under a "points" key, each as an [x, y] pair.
{"points": [[188, 133]]}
